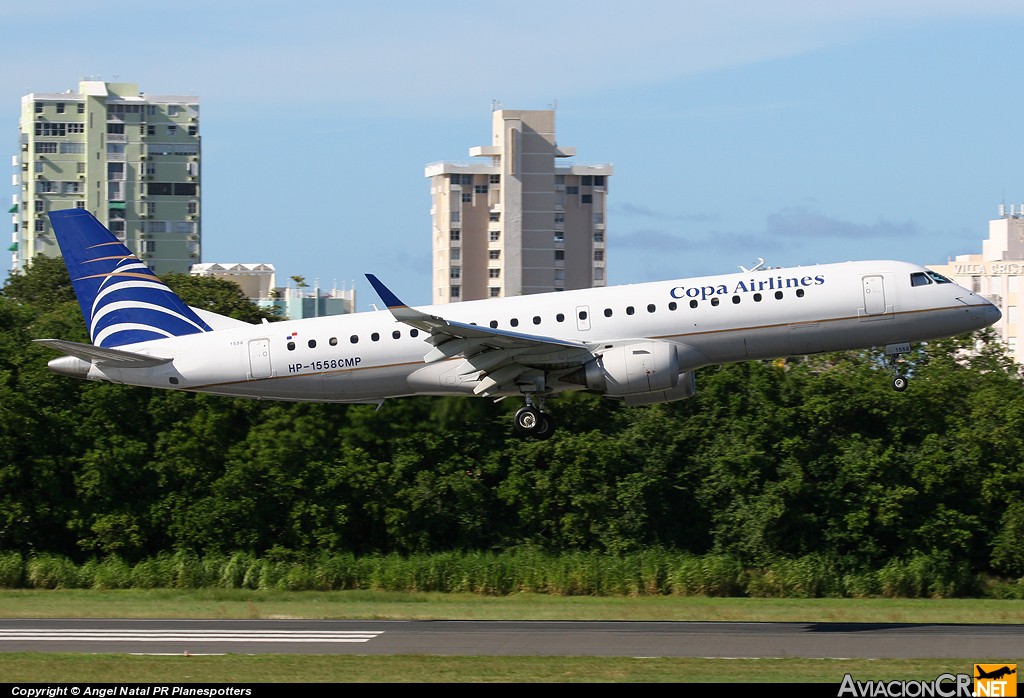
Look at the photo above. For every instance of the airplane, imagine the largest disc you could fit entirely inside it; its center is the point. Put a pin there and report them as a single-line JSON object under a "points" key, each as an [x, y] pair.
{"points": [[995, 674], [638, 343]]}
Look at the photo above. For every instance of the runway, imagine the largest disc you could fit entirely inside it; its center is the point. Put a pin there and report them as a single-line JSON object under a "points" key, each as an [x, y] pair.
{"points": [[514, 638]]}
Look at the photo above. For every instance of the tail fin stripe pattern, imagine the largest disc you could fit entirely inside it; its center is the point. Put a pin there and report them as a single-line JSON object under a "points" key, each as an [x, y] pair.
{"points": [[122, 300]]}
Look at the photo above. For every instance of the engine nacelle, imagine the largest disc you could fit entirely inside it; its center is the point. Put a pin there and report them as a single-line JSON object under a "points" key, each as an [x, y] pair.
{"points": [[638, 368], [686, 389]]}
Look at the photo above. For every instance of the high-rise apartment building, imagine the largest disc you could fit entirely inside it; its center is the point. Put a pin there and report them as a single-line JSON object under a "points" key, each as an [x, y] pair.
{"points": [[517, 221], [997, 273], [131, 159]]}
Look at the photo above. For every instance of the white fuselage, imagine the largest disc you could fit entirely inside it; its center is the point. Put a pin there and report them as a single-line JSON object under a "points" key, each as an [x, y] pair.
{"points": [[368, 357]]}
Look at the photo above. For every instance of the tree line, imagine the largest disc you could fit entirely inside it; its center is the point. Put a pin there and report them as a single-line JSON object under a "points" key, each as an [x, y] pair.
{"points": [[813, 456]]}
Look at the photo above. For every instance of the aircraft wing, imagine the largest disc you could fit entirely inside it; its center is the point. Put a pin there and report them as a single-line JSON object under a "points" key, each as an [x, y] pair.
{"points": [[501, 356], [115, 358]]}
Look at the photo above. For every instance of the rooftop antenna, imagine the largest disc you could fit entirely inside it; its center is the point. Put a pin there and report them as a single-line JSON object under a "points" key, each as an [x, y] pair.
{"points": [[760, 262]]}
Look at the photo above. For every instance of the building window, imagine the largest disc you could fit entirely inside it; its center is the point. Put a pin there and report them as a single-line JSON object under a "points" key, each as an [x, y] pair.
{"points": [[455, 273], [40, 225], [560, 217], [456, 290], [80, 107], [494, 273], [598, 236], [494, 217], [587, 199], [587, 180], [480, 189], [598, 180], [559, 255], [494, 179], [455, 216], [598, 255], [572, 190], [39, 107], [46, 146], [115, 128], [559, 236], [48, 128], [193, 130], [495, 235], [495, 291], [456, 254], [494, 254], [455, 234], [467, 197]]}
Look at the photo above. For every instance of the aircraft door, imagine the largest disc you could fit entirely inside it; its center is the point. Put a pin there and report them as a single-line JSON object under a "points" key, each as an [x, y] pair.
{"points": [[874, 295], [259, 359], [583, 318]]}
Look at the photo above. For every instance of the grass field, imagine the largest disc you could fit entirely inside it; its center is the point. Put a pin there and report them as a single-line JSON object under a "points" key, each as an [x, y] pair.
{"points": [[105, 668]]}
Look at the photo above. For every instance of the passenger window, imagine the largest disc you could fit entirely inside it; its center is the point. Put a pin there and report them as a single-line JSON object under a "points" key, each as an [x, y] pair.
{"points": [[514, 322], [778, 295], [650, 308], [375, 336], [536, 319], [693, 304], [735, 300], [714, 301], [291, 346], [757, 297], [672, 305], [312, 344], [607, 312], [396, 334], [333, 341], [799, 293], [494, 324], [629, 310], [560, 317], [354, 339], [414, 333]]}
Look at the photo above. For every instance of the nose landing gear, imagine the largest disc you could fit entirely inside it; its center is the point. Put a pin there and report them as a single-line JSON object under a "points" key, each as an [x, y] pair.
{"points": [[894, 352]]}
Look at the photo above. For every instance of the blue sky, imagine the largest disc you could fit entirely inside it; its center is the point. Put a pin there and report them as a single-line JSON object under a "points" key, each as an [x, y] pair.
{"points": [[794, 130]]}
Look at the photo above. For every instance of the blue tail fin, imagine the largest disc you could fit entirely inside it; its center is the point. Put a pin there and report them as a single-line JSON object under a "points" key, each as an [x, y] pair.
{"points": [[123, 302]]}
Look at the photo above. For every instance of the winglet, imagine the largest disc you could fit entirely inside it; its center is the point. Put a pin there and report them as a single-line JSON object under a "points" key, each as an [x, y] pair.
{"points": [[389, 298]]}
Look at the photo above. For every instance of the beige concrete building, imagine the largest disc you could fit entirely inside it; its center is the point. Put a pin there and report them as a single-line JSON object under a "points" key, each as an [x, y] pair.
{"points": [[522, 219], [997, 273], [131, 159]]}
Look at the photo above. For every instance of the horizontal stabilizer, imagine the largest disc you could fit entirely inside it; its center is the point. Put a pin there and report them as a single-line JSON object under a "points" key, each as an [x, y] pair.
{"points": [[115, 358]]}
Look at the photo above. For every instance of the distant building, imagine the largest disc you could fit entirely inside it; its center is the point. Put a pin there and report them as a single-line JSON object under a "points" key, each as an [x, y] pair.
{"points": [[259, 284], [997, 273], [517, 222], [131, 159]]}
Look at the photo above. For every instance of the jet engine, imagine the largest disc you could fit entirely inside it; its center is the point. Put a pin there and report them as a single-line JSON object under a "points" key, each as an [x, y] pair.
{"points": [[642, 373]]}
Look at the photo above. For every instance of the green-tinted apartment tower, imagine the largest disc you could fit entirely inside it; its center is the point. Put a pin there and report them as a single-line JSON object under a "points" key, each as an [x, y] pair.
{"points": [[131, 159]]}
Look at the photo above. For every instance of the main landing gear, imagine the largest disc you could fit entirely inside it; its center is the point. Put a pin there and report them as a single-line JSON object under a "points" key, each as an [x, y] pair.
{"points": [[894, 352], [533, 421]]}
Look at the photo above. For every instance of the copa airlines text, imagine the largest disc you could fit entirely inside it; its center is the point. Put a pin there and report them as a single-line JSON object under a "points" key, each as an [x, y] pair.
{"points": [[639, 343]]}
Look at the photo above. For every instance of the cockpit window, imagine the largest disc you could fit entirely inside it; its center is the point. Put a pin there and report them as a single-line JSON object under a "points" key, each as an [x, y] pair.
{"points": [[919, 278], [938, 278]]}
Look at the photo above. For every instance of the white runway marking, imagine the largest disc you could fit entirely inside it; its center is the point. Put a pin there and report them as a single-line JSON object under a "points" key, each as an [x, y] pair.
{"points": [[188, 635]]}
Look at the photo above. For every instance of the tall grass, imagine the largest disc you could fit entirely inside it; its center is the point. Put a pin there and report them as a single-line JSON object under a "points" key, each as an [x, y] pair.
{"points": [[650, 572]]}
